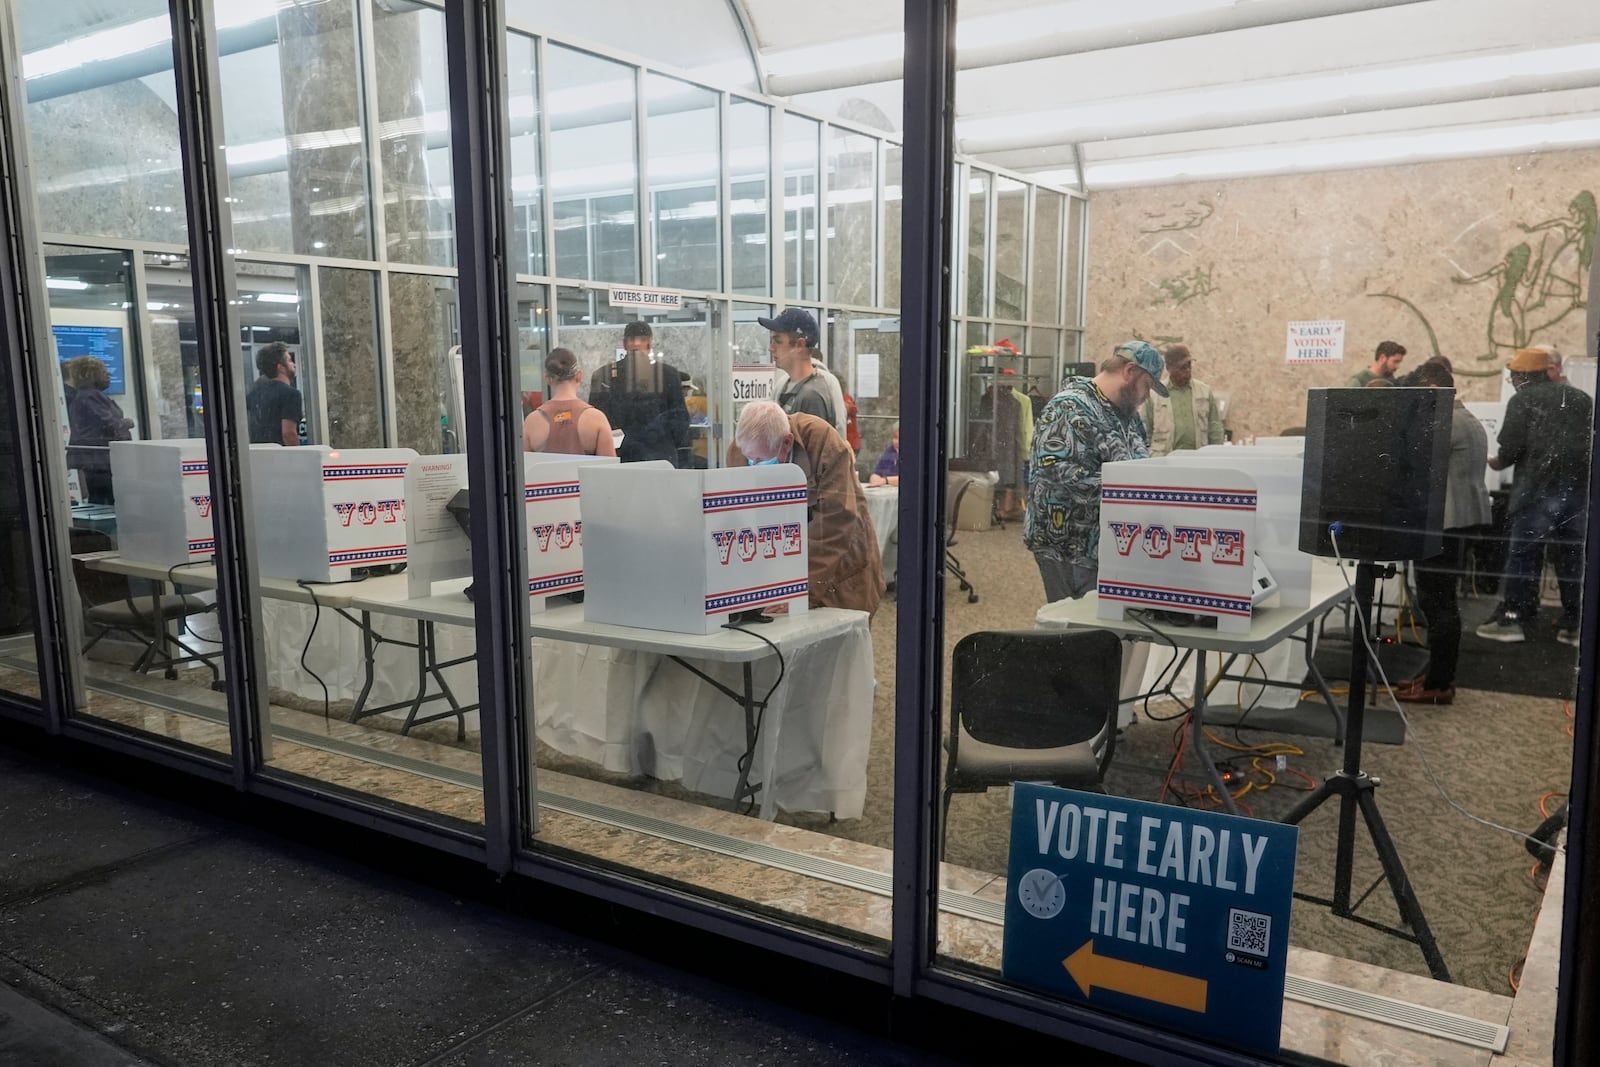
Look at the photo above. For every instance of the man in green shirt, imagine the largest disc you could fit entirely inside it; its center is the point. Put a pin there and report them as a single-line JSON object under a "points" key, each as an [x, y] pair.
{"points": [[1385, 364], [1190, 415]]}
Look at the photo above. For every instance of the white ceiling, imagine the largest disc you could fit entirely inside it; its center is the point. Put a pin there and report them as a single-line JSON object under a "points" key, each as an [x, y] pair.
{"points": [[1156, 90]]}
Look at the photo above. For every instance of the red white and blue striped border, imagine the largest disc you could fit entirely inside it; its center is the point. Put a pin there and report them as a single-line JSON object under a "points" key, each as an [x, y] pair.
{"points": [[739, 599], [776, 496], [1179, 497], [555, 583], [1162, 596], [202, 544], [350, 474], [346, 557], [194, 466], [550, 491]]}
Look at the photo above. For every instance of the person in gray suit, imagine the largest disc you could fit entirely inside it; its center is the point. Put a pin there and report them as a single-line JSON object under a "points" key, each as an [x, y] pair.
{"points": [[1466, 505]]}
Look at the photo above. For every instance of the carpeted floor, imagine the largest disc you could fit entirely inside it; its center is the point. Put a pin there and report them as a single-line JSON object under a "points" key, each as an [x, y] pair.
{"points": [[1496, 755]]}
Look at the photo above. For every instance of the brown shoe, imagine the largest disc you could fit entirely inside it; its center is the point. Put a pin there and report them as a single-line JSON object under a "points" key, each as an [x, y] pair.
{"points": [[1418, 695]]}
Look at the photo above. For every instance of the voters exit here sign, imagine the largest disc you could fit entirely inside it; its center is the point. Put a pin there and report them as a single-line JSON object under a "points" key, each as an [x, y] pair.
{"points": [[1171, 915]]}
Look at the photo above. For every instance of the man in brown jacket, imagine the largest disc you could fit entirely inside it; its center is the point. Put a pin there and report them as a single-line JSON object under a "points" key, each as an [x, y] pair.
{"points": [[845, 570]]}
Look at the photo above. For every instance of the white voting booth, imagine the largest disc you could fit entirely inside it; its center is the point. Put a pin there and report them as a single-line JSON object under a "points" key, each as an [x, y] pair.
{"points": [[163, 500], [553, 505], [681, 550], [321, 513]]}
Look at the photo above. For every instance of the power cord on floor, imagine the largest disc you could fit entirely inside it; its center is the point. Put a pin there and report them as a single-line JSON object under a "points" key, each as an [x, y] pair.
{"points": [[1422, 754]]}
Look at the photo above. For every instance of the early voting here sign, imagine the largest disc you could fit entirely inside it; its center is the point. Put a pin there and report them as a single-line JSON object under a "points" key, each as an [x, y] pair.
{"points": [[1168, 914]]}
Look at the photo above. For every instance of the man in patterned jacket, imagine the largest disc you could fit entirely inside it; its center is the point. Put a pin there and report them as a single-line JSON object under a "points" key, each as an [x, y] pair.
{"points": [[1092, 421]]}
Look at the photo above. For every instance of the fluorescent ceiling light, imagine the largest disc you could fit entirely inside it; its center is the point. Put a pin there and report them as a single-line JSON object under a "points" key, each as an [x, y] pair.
{"points": [[277, 298], [65, 283], [1389, 149], [988, 31], [127, 40], [1225, 105]]}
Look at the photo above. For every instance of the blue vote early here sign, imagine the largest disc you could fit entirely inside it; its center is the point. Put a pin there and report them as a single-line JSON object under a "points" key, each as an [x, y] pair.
{"points": [[1172, 915]]}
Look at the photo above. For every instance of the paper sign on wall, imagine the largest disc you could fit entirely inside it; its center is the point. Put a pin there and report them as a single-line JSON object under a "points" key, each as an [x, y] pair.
{"points": [[866, 375], [754, 381], [1321, 341], [653, 299]]}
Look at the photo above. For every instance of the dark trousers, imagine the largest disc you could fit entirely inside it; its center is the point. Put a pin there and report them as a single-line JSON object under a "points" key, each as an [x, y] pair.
{"points": [[1556, 520], [1437, 580]]}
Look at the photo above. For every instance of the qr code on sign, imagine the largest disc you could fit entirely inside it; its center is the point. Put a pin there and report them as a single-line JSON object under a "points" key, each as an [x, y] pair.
{"points": [[1249, 931]]}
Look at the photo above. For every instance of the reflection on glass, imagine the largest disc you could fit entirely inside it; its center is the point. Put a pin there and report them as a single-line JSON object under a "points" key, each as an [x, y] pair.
{"points": [[414, 131], [85, 181], [800, 207], [426, 355], [349, 311], [1072, 286], [19, 674], [533, 345], [852, 239], [684, 176], [979, 184], [1044, 291], [749, 163], [271, 297], [592, 166], [527, 189], [892, 154], [292, 110], [1010, 248]]}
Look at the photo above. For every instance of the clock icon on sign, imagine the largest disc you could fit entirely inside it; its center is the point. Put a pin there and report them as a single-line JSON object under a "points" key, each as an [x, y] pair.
{"points": [[1042, 893]]}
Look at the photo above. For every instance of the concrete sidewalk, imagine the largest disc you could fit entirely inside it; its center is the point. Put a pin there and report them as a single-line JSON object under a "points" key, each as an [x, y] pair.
{"points": [[137, 930]]}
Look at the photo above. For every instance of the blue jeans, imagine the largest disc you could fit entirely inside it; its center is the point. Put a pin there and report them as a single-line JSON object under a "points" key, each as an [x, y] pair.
{"points": [[1064, 580], [1557, 520]]}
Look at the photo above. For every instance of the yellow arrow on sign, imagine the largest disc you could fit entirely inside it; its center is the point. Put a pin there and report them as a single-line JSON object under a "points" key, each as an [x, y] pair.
{"points": [[1135, 979]]}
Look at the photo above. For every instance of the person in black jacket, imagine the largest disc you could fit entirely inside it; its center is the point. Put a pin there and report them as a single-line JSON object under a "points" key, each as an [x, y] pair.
{"points": [[94, 420], [642, 395]]}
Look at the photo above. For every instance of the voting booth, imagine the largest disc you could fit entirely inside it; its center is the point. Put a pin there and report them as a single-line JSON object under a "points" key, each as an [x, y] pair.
{"points": [[163, 501], [1177, 538], [681, 550], [322, 514], [552, 504]]}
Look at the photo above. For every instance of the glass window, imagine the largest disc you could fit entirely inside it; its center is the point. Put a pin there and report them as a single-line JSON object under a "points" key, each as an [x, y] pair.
{"points": [[592, 166], [533, 345], [292, 115], [892, 154], [852, 214], [1010, 248], [979, 184], [800, 265], [1072, 287], [348, 304], [19, 672], [1044, 288], [749, 168], [527, 166], [413, 108], [425, 354], [685, 175], [85, 180]]}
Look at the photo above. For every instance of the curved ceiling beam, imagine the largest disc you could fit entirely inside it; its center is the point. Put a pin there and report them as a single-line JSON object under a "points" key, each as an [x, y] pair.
{"points": [[1046, 45], [747, 30]]}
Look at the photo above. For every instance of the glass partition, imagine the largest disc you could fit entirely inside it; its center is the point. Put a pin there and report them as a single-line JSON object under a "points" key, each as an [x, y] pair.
{"points": [[800, 262], [413, 131], [852, 217], [593, 168], [1010, 248], [1044, 283], [684, 173], [749, 172], [527, 159], [1073, 283], [892, 214], [348, 306], [979, 185]]}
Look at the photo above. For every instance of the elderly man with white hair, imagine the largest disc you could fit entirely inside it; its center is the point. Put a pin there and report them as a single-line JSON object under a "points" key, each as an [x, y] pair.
{"points": [[845, 570]]}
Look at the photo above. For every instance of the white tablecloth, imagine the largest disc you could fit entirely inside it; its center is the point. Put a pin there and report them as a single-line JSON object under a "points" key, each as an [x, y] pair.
{"points": [[883, 504]]}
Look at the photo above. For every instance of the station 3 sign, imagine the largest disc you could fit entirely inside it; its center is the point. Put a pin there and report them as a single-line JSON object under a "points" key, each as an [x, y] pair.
{"points": [[1172, 915]]}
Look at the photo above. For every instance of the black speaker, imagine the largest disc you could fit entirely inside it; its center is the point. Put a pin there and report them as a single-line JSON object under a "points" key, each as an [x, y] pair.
{"points": [[1376, 461]]}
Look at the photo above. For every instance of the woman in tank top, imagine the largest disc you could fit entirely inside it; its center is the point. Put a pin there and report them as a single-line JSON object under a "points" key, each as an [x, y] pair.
{"points": [[563, 423]]}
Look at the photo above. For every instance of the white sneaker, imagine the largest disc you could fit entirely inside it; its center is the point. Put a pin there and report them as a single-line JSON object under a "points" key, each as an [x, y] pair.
{"points": [[1568, 636], [1504, 629]]}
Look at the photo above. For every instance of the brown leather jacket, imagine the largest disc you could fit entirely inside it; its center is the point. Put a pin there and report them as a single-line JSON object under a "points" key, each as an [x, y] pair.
{"points": [[845, 568]]}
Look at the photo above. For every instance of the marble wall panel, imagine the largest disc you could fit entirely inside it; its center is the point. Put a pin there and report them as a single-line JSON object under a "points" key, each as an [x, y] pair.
{"points": [[163, 350], [1467, 258], [417, 357], [349, 357]]}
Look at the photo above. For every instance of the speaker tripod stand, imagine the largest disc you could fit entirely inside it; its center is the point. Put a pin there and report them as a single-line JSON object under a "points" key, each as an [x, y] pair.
{"points": [[1355, 791]]}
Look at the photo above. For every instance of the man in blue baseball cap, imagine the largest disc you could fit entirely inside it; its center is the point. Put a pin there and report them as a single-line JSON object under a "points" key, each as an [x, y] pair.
{"points": [[1091, 421], [808, 387]]}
